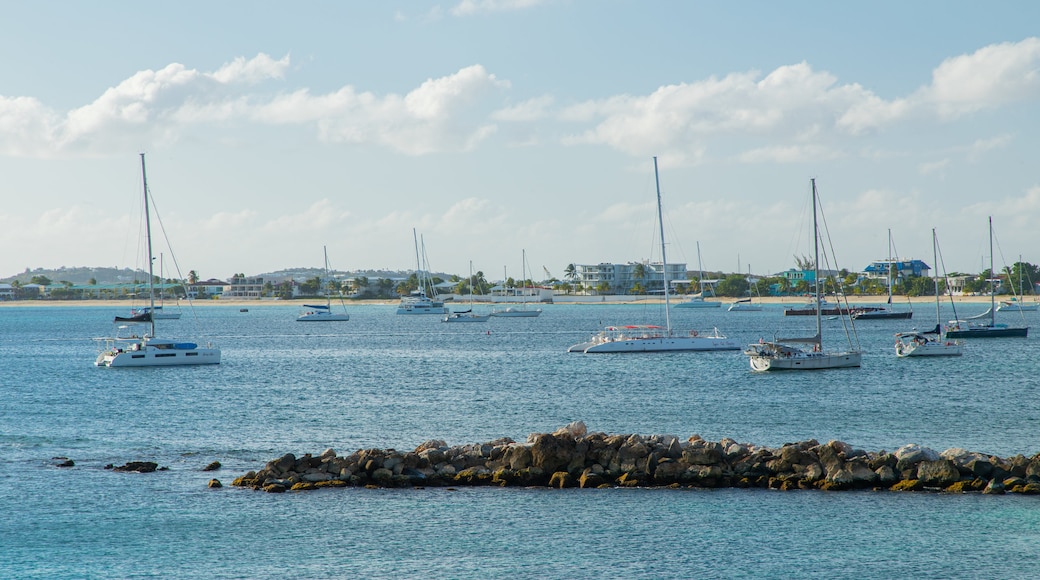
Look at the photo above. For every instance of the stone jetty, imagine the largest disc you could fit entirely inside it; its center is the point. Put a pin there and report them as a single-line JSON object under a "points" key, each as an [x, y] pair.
{"points": [[571, 457]]}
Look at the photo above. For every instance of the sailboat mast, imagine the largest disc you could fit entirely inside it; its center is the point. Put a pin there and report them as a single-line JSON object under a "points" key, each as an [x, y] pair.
{"points": [[328, 298], [816, 264], [664, 260], [700, 269], [890, 266], [148, 234], [935, 260], [992, 289]]}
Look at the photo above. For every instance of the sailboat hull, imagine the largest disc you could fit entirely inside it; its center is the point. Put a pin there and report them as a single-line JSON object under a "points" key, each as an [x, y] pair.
{"points": [[804, 361], [657, 344], [988, 332], [322, 317], [166, 354], [883, 315]]}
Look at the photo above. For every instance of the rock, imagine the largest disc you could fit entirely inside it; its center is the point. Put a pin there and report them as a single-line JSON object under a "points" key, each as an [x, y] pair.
{"points": [[939, 473], [212, 466], [575, 430], [550, 453], [590, 479], [214, 483], [561, 480], [137, 467], [994, 488], [912, 453], [431, 444], [63, 462], [907, 485]]}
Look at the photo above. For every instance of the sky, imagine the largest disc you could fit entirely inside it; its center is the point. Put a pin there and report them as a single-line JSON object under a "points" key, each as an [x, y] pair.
{"points": [[498, 128]]}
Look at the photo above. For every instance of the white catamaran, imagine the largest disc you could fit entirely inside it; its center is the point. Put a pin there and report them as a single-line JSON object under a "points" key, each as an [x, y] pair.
{"points": [[133, 346]]}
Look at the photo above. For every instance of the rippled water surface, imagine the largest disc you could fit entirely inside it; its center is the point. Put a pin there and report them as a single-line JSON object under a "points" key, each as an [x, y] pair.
{"points": [[382, 380]]}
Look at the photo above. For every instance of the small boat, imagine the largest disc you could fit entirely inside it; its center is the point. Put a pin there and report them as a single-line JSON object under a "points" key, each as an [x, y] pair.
{"points": [[972, 328], [650, 338], [885, 313], [467, 315], [914, 344], [1018, 306], [131, 347], [323, 312], [783, 354], [697, 300], [745, 304], [418, 301], [522, 311]]}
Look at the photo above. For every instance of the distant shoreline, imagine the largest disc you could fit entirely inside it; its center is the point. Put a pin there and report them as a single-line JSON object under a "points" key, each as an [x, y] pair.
{"points": [[582, 300]]}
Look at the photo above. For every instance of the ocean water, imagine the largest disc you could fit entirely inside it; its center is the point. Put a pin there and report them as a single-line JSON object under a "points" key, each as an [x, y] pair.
{"points": [[382, 380]]}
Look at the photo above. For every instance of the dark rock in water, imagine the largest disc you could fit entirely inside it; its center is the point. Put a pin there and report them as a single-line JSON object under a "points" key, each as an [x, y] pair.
{"points": [[214, 483], [136, 467], [212, 466], [63, 462]]}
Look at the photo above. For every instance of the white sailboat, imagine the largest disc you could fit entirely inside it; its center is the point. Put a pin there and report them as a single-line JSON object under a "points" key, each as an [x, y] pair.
{"points": [[651, 338], [971, 329], [418, 301], [522, 311], [885, 313], [1018, 303], [323, 312], [697, 300], [467, 315], [782, 354], [912, 344], [141, 348], [158, 313], [745, 304]]}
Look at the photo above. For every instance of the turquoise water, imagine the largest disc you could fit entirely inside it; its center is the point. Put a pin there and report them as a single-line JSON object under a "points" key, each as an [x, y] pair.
{"points": [[382, 380]]}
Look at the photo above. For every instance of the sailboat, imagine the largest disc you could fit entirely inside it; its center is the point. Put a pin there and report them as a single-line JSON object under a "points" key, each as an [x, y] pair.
{"points": [[1017, 303], [467, 315], [781, 354], [885, 313], [522, 311], [932, 343], [972, 329], [323, 312], [156, 313], [745, 304], [418, 301], [651, 338], [133, 348], [697, 300]]}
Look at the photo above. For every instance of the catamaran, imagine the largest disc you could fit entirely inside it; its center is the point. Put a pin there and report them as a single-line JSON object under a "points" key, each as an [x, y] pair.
{"points": [[133, 346]]}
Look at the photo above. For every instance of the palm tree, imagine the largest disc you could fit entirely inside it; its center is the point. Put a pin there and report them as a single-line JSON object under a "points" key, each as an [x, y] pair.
{"points": [[639, 273], [193, 277]]}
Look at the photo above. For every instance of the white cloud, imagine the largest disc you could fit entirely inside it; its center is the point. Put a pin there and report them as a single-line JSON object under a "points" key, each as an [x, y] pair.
{"points": [[792, 103], [991, 76], [321, 215], [527, 111]]}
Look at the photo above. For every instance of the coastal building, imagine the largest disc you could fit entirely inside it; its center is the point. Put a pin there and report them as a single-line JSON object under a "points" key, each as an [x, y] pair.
{"points": [[6, 292], [622, 278], [244, 288], [211, 288], [901, 270]]}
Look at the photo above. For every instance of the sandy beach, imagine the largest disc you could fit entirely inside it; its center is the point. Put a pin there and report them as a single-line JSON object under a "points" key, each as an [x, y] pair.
{"points": [[299, 302]]}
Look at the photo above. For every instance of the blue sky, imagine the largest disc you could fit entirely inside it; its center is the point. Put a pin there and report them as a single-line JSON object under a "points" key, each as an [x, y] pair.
{"points": [[496, 126]]}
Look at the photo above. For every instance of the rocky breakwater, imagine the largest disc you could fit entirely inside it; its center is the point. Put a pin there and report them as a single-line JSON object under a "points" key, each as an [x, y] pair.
{"points": [[571, 457]]}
